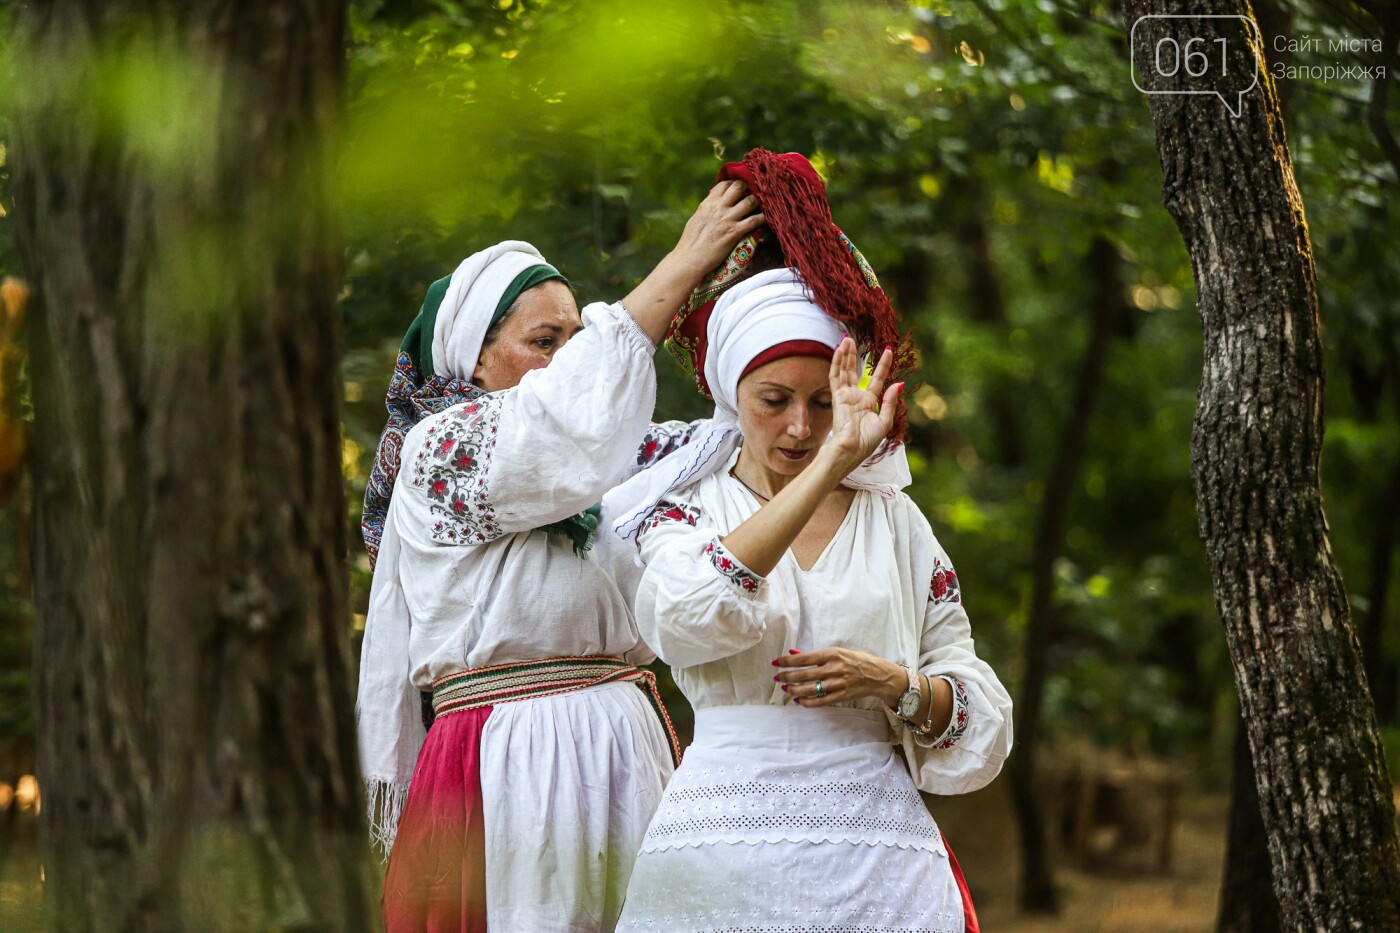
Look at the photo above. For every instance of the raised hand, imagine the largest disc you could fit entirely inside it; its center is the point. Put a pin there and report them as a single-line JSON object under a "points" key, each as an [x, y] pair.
{"points": [[727, 214], [861, 418], [722, 219]]}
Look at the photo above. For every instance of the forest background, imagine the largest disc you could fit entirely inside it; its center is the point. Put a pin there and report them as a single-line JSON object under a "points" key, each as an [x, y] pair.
{"points": [[996, 165]]}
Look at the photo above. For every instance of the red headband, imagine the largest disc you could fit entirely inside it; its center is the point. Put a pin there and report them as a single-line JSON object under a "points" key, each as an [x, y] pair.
{"points": [[786, 349]]}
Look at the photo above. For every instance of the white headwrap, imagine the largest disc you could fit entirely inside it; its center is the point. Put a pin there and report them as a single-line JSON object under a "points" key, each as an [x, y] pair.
{"points": [[388, 717], [759, 313], [465, 313]]}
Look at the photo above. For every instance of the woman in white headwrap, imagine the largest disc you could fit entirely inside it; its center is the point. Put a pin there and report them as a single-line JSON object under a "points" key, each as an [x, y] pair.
{"points": [[510, 415], [816, 625]]}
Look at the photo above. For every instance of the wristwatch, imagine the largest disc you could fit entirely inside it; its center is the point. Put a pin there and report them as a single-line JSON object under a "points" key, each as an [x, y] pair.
{"points": [[907, 706]]}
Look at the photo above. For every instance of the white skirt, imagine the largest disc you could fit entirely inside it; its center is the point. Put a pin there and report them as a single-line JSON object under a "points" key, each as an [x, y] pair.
{"points": [[788, 819], [569, 783]]}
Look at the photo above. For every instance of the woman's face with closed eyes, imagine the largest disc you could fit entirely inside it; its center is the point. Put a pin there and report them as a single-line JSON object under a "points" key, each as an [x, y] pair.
{"points": [[542, 320], [785, 412]]}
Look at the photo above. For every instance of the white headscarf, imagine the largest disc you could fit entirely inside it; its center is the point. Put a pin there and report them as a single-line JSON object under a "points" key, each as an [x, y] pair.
{"points": [[465, 313], [757, 314]]}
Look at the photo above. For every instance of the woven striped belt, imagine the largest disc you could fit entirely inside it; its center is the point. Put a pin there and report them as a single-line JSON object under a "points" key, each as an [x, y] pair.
{"points": [[526, 680]]}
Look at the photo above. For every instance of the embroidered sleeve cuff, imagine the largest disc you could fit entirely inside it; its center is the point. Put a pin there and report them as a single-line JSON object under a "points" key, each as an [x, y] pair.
{"points": [[729, 567], [957, 723]]}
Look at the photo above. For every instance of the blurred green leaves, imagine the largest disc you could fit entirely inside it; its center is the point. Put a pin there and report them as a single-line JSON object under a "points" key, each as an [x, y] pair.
{"points": [[972, 148], [445, 123]]}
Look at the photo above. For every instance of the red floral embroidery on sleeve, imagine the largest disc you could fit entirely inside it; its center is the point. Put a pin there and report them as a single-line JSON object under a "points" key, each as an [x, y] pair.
{"points": [[731, 569], [450, 466], [957, 726], [667, 512], [944, 587], [662, 440]]}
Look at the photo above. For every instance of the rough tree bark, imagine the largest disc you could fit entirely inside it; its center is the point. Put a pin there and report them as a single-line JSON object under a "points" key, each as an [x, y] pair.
{"points": [[192, 669], [1228, 182], [1037, 893], [1248, 903]]}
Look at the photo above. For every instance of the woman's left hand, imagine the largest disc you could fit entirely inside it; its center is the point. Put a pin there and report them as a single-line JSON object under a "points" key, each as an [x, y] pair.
{"points": [[845, 675], [861, 418]]}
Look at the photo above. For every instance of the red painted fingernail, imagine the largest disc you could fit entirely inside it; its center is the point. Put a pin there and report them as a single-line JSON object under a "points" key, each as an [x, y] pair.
{"points": [[777, 676], [785, 689], [775, 662], [793, 651]]}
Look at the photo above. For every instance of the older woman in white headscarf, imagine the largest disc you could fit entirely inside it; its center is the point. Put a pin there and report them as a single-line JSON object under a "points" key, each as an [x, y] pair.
{"points": [[511, 414], [816, 626]]}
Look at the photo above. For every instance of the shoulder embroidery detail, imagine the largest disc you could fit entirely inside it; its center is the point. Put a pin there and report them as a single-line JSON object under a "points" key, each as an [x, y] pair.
{"points": [[957, 726], [730, 568], [666, 512], [662, 440], [944, 586], [451, 464]]}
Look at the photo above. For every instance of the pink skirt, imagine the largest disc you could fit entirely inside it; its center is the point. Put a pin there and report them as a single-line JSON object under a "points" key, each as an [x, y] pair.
{"points": [[436, 879]]}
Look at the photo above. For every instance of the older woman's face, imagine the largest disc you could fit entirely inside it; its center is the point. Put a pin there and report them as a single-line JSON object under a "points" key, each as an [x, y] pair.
{"points": [[544, 319], [785, 412]]}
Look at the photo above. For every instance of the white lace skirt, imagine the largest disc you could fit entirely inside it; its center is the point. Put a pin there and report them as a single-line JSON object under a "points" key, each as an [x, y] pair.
{"points": [[792, 819]]}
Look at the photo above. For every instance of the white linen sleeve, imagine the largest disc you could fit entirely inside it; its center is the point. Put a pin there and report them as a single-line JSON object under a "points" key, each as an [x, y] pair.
{"points": [[543, 450], [971, 751], [696, 602]]}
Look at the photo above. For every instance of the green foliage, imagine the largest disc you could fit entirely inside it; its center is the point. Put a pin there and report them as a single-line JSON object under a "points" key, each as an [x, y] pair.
{"points": [[974, 149], [931, 122]]}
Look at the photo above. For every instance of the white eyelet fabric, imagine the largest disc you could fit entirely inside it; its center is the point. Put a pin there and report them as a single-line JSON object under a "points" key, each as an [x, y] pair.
{"points": [[785, 818]]}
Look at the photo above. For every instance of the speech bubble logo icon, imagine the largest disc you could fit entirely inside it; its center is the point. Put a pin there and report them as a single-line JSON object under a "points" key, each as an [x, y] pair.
{"points": [[1209, 53]]}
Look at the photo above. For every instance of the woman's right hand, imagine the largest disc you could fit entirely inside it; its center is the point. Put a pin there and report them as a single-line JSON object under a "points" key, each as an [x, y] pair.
{"points": [[861, 418], [728, 214], [722, 219]]}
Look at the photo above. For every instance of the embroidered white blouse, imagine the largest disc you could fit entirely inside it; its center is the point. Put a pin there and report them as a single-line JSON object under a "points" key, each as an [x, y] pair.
{"points": [[483, 584], [883, 585]]}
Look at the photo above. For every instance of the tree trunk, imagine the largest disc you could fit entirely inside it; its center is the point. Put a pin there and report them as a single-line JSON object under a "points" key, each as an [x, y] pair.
{"points": [[1038, 894], [1228, 183], [988, 306], [193, 679], [1247, 900]]}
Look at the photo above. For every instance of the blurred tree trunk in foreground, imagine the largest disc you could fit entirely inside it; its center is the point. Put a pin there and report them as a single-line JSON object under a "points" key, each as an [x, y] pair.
{"points": [[1228, 182], [193, 693], [1102, 267]]}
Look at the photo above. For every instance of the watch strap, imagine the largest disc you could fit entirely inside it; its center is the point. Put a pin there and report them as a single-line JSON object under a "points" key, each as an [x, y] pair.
{"points": [[914, 686]]}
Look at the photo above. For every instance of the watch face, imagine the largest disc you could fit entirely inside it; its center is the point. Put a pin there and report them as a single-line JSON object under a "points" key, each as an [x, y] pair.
{"points": [[909, 704]]}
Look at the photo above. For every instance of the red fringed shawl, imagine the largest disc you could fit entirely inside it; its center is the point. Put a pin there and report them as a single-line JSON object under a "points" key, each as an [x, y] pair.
{"points": [[792, 197]]}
